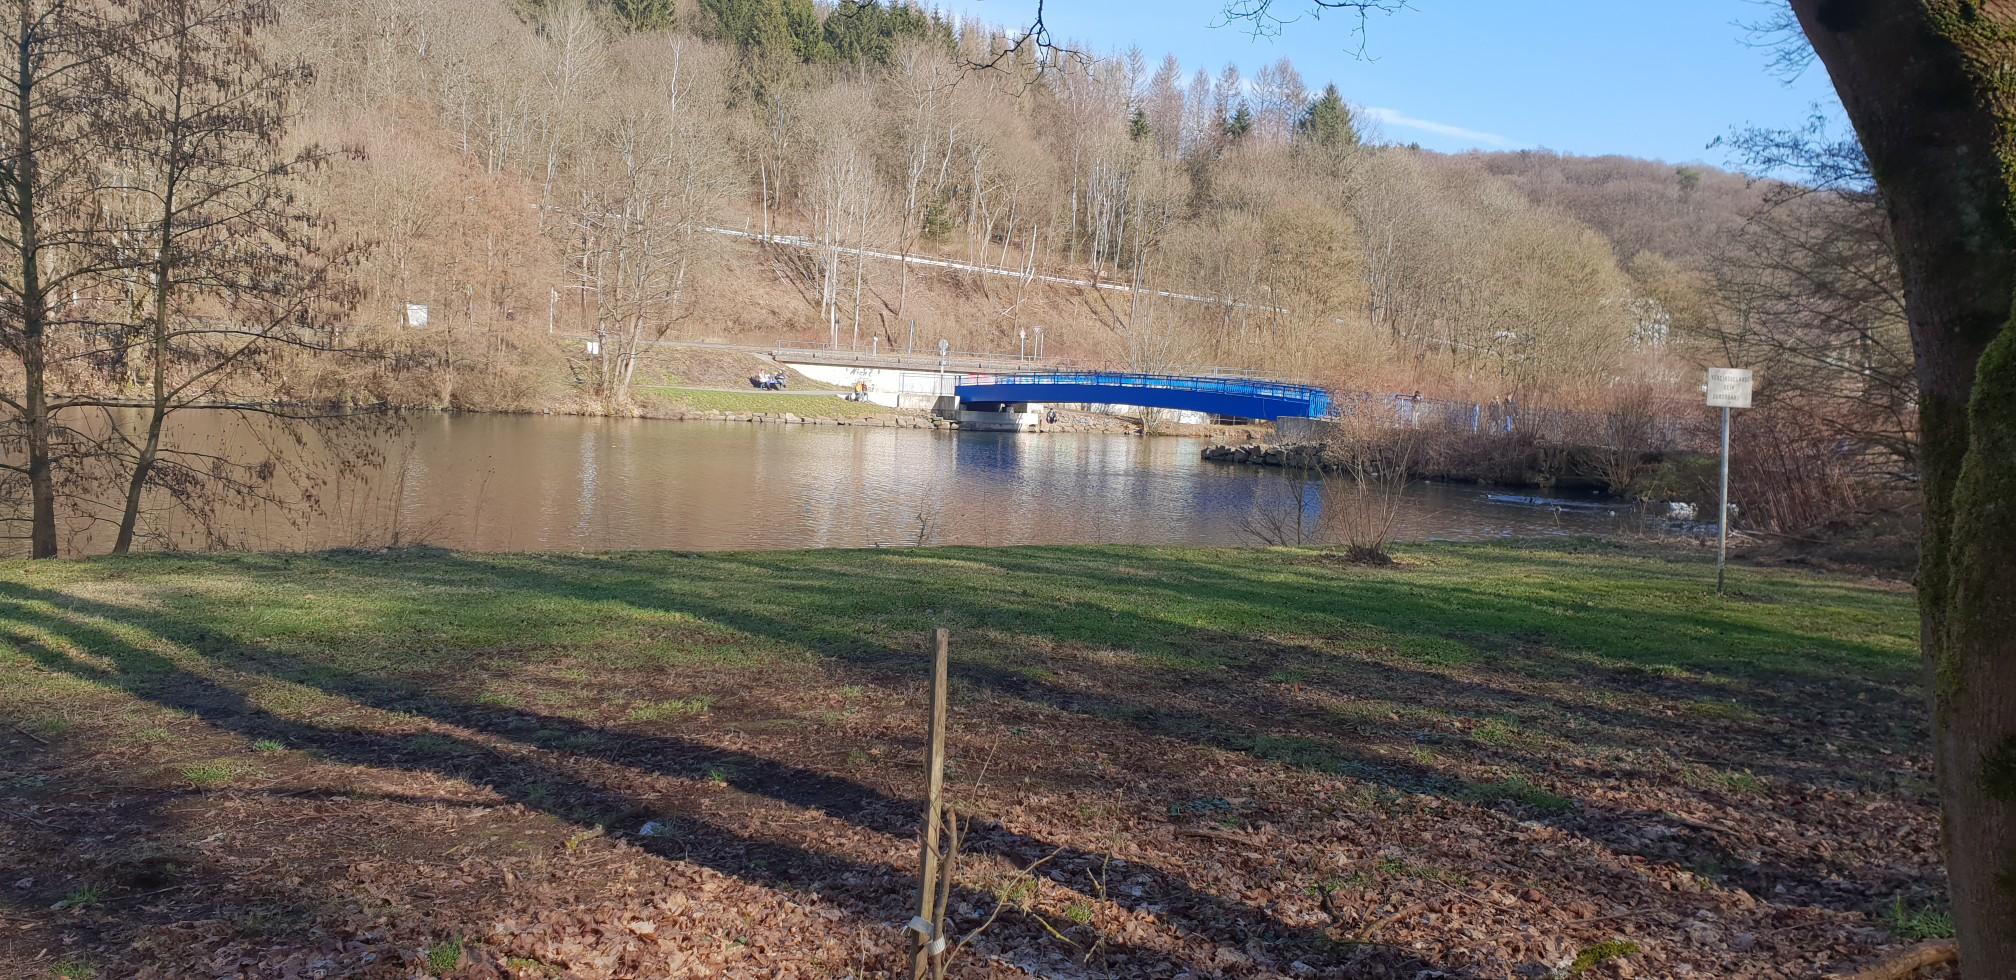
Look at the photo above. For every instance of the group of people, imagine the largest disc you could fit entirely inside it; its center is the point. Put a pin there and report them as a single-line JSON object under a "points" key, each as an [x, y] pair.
{"points": [[771, 381]]}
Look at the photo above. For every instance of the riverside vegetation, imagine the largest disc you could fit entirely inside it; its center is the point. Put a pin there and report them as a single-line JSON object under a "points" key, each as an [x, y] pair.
{"points": [[1483, 760]]}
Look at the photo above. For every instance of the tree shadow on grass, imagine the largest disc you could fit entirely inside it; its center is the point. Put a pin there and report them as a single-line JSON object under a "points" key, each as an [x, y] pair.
{"points": [[818, 620], [567, 792], [824, 618]]}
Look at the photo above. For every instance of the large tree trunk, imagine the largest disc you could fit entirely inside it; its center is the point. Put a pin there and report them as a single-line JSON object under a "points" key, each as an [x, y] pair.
{"points": [[1927, 86], [41, 477]]}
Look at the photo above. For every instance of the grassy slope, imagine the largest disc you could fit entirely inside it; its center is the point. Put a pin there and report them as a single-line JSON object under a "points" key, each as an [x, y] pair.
{"points": [[699, 367], [1171, 609], [1589, 687], [775, 403]]}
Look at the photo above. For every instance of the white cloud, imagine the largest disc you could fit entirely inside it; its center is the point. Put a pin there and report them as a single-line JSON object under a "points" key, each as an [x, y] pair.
{"points": [[1394, 117]]}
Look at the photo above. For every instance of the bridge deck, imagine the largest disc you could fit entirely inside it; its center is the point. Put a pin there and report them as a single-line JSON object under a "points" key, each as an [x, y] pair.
{"points": [[1233, 397]]}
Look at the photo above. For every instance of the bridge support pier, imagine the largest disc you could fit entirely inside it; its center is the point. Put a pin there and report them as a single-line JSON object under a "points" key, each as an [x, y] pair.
{"points": [[1000, 416]]}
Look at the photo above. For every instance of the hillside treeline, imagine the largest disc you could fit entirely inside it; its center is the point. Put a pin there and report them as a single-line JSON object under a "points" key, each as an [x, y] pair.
{"points": [[507, 154]]}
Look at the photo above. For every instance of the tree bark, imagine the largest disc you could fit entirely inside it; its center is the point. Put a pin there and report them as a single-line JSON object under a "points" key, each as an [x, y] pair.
{"points": [[34, 304], [1926, 85]]}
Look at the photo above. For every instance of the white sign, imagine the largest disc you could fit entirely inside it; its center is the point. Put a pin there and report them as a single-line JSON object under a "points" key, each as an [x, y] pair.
{"points": [[416, 315], [1728, 388]]}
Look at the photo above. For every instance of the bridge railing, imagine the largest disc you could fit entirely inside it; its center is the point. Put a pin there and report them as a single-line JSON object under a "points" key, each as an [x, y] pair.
{"points": [[1113, 379]]}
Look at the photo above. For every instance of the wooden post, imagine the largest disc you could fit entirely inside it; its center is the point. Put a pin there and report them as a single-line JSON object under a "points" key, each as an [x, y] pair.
{"points": [[921, 949]]}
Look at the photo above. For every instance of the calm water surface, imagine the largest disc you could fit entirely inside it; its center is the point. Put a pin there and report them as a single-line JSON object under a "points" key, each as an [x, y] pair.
{"points": [[513, 483]]}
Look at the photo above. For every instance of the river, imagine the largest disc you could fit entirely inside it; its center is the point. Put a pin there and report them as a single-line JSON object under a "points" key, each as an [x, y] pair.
{"points": [[513, 483]]}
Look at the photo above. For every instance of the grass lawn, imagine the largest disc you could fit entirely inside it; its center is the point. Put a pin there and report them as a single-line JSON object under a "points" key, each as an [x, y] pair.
{"points": [[699, 367], [1490, 761], [825, 406]]}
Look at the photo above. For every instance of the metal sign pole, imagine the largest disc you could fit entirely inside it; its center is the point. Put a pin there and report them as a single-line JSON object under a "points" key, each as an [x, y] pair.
{"points": [[1727, 388], [1722, 524]]}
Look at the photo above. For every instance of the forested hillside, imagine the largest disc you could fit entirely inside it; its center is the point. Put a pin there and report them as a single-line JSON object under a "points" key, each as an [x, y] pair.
{"points": [[533, 171]]}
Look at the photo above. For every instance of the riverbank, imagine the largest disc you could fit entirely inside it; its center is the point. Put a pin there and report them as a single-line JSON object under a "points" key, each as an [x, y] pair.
{"points": [[1503, 461], [1487, 760], [673, 403]]}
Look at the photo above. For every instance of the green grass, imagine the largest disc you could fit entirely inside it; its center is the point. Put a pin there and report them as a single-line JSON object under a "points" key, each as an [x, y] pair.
{"points": [[207, 775], [426, 744], [1917, 924], [1594, 956], [1497, 732], [825, 406], [81, 898], [591, 638], [1518, 790], [73, 970], [443, 956], [1302, 753], [672, 709], [1721, 710], [1177, 607]]}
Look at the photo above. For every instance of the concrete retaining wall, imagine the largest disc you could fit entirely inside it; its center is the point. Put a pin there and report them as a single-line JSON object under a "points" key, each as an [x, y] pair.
{"points": [[890, 387]]}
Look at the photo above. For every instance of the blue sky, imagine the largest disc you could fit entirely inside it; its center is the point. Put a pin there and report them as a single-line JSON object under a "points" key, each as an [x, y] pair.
{"points": [[1640, 77]]}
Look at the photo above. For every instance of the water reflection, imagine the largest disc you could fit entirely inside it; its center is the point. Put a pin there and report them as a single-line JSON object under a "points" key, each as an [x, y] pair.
{"points": [[559, 483]]}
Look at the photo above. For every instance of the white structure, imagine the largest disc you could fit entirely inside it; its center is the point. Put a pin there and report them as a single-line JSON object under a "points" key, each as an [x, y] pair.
{"points": [[892, 387]]}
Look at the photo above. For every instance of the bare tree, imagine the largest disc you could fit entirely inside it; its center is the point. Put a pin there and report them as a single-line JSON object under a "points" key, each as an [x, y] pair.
{"points": [[1809, 294], [646, 190], [231, 266], [60, 77]]}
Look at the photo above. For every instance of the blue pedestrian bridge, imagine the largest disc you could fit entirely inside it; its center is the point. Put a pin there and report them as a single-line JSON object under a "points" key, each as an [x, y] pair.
{"points": [[1244, 398]]}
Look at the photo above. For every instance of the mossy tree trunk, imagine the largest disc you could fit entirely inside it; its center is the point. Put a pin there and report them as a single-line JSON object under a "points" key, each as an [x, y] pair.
{"points": [[1930, 86]]}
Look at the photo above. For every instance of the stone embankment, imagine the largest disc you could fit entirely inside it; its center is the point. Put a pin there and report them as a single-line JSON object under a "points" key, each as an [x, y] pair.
{"points": [[1301, 456]]}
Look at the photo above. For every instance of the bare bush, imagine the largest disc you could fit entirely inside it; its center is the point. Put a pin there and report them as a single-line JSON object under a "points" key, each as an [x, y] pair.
{"points": [[1629, 432], [1789, 473], [1376, 462], [1280, 515]]}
